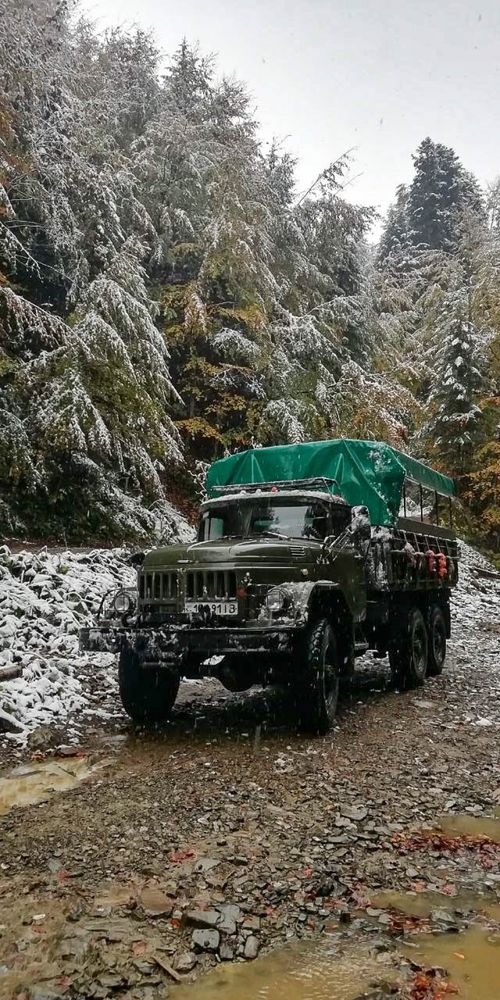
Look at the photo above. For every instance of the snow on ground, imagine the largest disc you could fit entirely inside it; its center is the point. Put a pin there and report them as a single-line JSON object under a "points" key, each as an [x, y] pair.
{"points": [[45, 597], [44, 600]]}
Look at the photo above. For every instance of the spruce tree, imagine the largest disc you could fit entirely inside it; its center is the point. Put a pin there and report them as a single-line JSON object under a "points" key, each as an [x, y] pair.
{"points": [[441, 189], [454, 427]]}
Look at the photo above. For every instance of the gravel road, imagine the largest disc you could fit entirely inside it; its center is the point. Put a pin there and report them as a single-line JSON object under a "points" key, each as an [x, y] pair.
{"points": [[224, 834]]}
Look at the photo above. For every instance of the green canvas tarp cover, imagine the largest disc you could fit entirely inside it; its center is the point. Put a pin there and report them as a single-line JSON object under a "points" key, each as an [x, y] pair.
{"points": [[367, 472]]}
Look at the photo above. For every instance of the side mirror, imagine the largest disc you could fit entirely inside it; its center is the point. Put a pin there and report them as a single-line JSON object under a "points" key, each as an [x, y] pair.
{"points": [[137, 558], [361, 528]]}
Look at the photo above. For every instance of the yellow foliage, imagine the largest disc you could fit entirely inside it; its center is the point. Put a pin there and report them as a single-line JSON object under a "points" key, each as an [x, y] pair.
{"points": [[196, 427]]}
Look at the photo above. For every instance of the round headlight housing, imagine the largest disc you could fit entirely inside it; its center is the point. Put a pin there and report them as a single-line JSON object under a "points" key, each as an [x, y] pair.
{"points": [[123, 602], [279, 602]]}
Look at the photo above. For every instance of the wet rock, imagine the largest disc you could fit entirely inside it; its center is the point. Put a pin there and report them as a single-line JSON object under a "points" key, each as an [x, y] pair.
{"points": [[201, 918], [251, 948], [226, 952], [205, 940], [444, 920], [187, 961]]}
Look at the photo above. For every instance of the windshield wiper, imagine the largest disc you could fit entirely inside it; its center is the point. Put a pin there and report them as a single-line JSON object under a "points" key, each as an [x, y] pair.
{"points": [[273, 534]]}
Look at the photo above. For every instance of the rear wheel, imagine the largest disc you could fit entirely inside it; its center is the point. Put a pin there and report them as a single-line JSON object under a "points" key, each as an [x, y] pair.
{"points": [[436, 627], [147, 693], [318, 687], [408, 651]]}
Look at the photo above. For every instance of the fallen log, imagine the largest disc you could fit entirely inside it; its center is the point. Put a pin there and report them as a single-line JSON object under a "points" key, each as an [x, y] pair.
{"points": [[490, 574], [8, 673]]}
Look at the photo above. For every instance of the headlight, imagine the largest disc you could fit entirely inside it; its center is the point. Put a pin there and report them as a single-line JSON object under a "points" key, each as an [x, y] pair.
{"points": [[123, 602], [279, 601]]}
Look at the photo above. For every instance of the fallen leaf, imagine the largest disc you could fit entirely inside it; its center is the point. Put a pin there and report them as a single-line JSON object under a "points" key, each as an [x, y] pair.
{"points": [[177, 856]]}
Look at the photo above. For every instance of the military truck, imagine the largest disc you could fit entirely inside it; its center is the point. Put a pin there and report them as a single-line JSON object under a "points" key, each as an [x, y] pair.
{"points": [[306, 556]]}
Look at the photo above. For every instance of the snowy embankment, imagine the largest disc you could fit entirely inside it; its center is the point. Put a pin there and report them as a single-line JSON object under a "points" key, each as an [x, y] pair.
{"points": [[44, 600], [46, 597]]}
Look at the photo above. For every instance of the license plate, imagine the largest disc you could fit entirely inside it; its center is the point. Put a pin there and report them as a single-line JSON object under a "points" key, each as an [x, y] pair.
{"points": [[216, 607]]}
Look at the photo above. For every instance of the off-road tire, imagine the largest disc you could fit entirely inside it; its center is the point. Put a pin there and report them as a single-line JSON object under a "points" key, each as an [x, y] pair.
{"points": [[147, 693], [318, 683], [408, 650], [436, 629]]}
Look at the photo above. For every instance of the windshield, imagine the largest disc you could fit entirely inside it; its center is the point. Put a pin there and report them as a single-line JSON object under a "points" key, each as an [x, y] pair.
{"points": [[285, 518]]}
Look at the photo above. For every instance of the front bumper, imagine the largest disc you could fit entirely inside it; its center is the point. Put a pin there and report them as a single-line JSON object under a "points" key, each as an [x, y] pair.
{"points": [[173, 645]]}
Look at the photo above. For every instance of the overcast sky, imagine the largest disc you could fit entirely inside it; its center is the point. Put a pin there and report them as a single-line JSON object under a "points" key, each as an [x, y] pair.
{"points": [[328, 75]]}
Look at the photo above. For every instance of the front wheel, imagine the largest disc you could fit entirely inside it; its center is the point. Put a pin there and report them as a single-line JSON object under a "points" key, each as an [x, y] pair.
{"points": [[318, 687], [147, 693], [408, 650], [436, 627]]}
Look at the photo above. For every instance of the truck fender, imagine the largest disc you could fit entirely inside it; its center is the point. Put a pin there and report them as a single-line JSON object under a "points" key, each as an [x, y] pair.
{"points": [[309, 598]]}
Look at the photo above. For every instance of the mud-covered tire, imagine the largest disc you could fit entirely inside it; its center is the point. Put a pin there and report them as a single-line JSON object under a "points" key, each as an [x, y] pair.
{"points": [[318, 683], [436, 629], [408, 651], [147, 693]]}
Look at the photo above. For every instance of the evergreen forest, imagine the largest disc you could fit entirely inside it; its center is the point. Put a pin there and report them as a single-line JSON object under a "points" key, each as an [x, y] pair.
{"points": [[168, 296]]}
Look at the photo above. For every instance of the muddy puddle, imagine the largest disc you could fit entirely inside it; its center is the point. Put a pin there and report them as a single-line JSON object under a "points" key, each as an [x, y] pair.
{"points": [[471, 960], [422, 904], [461, 825], [313, 970], [38, 781]]}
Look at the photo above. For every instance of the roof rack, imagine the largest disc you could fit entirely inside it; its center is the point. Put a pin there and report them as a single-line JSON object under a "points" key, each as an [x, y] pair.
{"points": [[318, 482]]}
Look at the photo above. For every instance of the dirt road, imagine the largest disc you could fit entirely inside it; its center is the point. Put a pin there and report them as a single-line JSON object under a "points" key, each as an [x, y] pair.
{"points": [[223, 833]]}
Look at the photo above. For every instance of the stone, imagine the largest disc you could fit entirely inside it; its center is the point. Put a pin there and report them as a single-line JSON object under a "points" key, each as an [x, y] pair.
{"points": [[42, 738], [230, 910], [253, 923], [251, 949], [227, 924], [226, 952], [205, 940], [74, 947], [155, 903], [186, 961], [201, 918], [356, 813], [206, 864]]}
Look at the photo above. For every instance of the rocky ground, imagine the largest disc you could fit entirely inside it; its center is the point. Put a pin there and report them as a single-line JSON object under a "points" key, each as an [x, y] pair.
{"points": [[225, 834]]}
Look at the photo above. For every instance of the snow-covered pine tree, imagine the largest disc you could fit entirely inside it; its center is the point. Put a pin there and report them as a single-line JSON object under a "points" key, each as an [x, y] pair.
{"points": [[440, 191], [453, 429]]}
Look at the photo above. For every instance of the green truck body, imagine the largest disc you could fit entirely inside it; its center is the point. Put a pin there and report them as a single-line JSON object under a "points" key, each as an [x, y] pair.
{"points": [[306, 556]]}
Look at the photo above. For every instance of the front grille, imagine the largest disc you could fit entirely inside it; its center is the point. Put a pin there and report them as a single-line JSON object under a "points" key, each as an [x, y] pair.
{"points": [[158, 586], [220, 584]]}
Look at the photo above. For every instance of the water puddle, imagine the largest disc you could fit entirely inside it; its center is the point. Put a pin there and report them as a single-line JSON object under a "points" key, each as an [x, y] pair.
{"points": [[471, 960], [470, 826], [422, 904], [38, 781], [312, 970]]}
